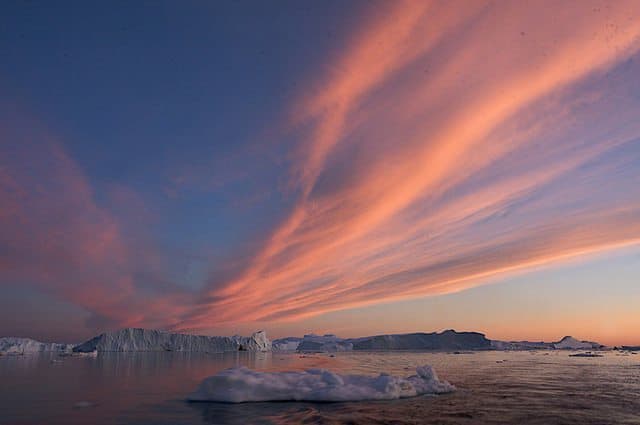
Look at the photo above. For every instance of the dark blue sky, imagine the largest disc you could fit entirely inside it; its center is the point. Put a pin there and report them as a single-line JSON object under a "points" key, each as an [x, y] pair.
{"points": [[147, 93]]}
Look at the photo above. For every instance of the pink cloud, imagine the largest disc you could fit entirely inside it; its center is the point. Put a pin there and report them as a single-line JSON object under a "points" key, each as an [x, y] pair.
{"points": [[390, 203]]}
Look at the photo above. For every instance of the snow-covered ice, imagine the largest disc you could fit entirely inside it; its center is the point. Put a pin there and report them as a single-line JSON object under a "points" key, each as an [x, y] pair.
{"points": [[240, 385]]}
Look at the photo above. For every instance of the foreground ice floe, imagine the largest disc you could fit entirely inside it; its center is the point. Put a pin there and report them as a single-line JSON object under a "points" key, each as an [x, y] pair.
{"points": [[240, 385]]}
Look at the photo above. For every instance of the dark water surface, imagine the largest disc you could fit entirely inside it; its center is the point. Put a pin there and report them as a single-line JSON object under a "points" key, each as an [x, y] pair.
{"points": [[150, 388]]}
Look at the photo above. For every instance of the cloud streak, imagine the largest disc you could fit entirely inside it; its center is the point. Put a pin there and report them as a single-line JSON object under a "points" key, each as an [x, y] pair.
{"points": [[446, 144], [56, 237], [432, 154]]}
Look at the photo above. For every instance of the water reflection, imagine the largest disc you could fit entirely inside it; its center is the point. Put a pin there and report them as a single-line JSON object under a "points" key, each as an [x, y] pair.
{"points": [[146, 388]]}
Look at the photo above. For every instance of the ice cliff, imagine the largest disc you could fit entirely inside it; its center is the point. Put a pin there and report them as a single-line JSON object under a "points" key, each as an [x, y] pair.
{"points": [[134, 339], [240, 385], [15, 345]]}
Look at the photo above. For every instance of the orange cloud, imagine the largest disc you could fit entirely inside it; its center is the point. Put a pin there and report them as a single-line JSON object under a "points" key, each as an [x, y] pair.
{"points": [[432, 152]]}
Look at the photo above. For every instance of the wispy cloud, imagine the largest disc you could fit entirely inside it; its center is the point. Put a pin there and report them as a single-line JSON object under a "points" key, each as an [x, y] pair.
{"points": [[448, 143], [56, 237], [432, 153]]}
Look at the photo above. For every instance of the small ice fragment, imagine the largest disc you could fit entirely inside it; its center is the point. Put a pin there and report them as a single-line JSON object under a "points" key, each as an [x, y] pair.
{"points": [[82, 404]]}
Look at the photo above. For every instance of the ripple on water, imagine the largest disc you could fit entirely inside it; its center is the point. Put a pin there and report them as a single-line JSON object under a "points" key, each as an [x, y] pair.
{"points": [[493, 387]]}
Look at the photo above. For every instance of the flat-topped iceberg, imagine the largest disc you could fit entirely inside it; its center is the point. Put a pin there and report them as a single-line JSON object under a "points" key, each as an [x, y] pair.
{"points": [[16, 345], [566, 343], [134, 339], [239, 385], [446, 340]]}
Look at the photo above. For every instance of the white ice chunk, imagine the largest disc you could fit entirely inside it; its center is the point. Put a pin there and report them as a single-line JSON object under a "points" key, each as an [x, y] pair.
{"points": [[240, 385]]}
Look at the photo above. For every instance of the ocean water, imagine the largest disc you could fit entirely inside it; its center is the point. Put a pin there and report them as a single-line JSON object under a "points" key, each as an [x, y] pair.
{"points": [[492, 387]]}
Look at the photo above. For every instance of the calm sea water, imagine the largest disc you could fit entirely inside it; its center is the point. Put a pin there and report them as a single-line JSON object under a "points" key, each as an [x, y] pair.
{"points": [[150, 388]]}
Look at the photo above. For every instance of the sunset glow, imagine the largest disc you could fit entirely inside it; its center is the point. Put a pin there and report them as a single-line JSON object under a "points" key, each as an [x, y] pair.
{"points": [[412, 160]]}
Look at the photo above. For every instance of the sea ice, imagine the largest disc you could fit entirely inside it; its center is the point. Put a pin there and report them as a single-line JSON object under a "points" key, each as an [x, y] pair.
{"points": [[240, 385]]}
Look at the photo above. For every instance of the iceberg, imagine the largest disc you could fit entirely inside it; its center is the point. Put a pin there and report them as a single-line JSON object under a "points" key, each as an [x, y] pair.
{"points": [[570, 343], [328, 342], [135, 339], [520, 345], [240, 385], [630, 348], [286, 344], [566, 343], [15, 345], [447, 340]]}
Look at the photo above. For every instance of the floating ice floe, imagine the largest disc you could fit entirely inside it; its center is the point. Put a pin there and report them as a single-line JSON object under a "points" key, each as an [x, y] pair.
{"points": [[587, 354], [239, 385], [80, 354]]}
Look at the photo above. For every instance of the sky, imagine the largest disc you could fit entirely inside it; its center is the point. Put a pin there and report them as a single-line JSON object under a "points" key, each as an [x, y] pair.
{"points": [[354, 168]]}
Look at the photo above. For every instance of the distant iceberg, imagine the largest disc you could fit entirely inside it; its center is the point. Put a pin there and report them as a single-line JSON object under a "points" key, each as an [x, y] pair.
{"points": [[286, 344], [566, 343], [134, 339], [327, 342], [239, 385], [15, 345], [570, 343], [447, 340]]}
